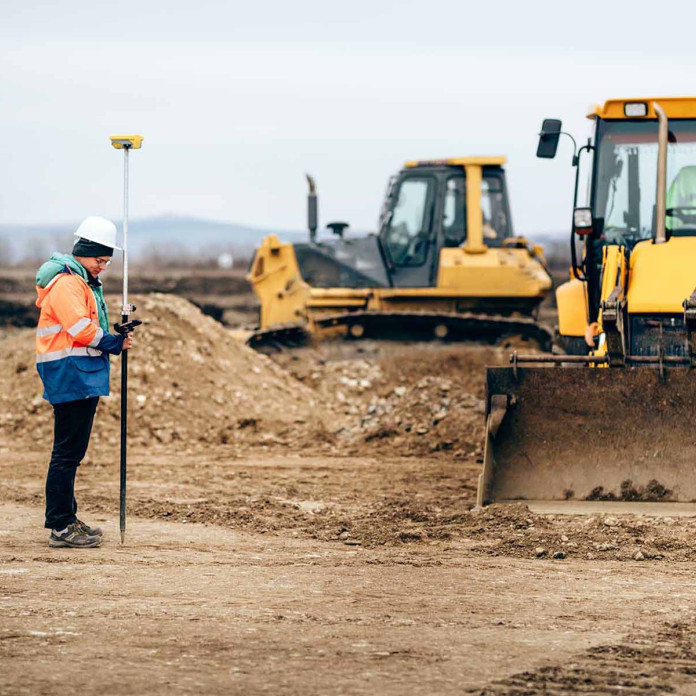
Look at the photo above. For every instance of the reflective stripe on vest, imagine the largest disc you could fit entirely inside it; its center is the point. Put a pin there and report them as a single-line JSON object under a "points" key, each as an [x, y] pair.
{"points": [[78, 326], [97, 337], [49, 330], [84, 351]]}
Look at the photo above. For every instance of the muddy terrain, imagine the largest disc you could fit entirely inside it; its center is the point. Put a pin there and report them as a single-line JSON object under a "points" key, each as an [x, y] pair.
{"points": [[304, 524]]}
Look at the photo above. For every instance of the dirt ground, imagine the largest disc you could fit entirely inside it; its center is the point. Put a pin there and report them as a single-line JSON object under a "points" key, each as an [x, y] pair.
{"points": [[201, 609], [313, 531]]}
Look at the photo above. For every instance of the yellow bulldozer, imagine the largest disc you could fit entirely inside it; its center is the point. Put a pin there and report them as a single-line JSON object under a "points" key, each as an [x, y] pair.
{"points": [[611, 421], [443, 265]]}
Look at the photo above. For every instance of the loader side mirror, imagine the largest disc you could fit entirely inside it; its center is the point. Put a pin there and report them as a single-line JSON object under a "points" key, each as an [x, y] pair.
{"points": [[548, 138], [582, 221]]}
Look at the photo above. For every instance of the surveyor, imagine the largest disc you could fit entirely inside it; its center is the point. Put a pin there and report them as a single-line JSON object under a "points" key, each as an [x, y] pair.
{"points": [[73, 344]]}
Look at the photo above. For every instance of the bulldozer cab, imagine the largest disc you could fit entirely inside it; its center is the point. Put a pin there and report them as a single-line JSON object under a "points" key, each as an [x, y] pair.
{"points": [[427, 208], [429, 205]]}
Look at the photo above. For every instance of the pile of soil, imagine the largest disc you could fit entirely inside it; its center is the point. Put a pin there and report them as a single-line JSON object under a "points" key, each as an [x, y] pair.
{"points": [[190, 382], [428, 416], [512, 530], [394, 398]]}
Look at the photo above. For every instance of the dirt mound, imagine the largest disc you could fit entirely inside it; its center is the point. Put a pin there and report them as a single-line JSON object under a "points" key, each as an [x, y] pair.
{"points": [[428, 416], [398, 398], [192, 382], [513, 530], [189, 382]]}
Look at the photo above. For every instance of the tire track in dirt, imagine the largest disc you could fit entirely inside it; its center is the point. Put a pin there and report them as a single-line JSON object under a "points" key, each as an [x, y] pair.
{"points": [[645, 663]]}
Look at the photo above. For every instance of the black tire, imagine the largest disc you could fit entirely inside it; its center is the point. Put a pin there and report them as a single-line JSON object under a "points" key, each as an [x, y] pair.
{"points": [[573, 345]]}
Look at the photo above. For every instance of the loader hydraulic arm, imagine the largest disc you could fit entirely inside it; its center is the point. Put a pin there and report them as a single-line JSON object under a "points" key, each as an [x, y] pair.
{"points": [[690, 325], [613, 304]]}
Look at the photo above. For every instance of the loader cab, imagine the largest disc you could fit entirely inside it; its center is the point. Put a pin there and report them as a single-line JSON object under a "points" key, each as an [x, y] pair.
{"points": [[621, 212], [623, 192], [426, 209]]}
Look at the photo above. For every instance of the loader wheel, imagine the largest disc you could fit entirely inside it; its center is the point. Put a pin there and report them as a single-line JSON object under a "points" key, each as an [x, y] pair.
{"points": [[357, 330], [573, 345]]}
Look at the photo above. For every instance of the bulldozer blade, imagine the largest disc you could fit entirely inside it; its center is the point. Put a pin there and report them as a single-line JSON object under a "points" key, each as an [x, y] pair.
{"points": [[579, 433]]}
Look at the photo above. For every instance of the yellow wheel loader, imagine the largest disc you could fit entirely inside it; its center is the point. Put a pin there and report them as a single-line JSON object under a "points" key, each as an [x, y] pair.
{"points": [[443, 265], [612, 421]]}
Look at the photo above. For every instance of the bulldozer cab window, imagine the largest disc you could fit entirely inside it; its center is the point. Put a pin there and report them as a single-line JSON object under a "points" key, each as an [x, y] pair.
{"points": [[493, 209], [626, 178], [454, 212], [408, 232]]}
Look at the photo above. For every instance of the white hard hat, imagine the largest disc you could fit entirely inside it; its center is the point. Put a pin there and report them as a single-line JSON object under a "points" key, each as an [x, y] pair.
{"points": [[100, 230]]}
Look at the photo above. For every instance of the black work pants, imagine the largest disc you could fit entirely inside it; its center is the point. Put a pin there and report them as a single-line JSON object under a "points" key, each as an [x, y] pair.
{"points": [[72, 428]]}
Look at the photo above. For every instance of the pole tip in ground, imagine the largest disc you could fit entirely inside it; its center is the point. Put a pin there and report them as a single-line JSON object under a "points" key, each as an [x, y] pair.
{"points": [[123, 535]]}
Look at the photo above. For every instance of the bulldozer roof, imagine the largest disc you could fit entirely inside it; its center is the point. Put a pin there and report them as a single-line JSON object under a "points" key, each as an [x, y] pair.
{"points": [[458, 162], [675, 107]]}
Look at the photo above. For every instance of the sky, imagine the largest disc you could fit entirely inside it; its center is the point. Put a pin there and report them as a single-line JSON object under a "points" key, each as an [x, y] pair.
{"points": [[237, 100]]}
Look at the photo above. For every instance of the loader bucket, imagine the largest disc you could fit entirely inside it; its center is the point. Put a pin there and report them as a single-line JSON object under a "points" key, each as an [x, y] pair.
{"points": [[580, 433]]}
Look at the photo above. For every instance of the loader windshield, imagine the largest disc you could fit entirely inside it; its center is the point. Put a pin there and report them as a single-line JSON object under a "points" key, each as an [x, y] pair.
{"points": [[625, 179]]}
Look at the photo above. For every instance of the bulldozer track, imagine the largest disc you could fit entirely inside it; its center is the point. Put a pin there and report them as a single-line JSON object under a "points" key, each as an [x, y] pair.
{"points": [[411, 326]]}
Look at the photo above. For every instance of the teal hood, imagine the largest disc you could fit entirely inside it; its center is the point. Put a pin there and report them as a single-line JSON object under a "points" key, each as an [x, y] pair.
{"points": [[56, 264]]}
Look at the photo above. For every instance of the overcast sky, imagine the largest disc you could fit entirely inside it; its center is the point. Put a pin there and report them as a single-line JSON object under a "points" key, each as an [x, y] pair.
{"points": [[237, 100]]}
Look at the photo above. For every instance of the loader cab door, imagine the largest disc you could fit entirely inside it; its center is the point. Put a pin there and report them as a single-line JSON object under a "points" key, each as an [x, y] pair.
{"points": [[407, 232]]}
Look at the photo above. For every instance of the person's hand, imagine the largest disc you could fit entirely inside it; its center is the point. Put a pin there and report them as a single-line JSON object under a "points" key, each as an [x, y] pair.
{"points": [[128, 341]]}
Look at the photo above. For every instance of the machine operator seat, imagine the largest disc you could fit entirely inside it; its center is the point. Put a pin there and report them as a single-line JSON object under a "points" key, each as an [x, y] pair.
{"points": [[682, 194]]}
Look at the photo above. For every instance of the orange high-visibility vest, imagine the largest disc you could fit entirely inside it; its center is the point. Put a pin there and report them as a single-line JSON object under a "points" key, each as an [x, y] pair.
{"points": [[68, 361]]}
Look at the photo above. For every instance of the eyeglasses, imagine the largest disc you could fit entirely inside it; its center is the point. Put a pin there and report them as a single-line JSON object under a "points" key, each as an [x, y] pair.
{"points": [[103, 262]]}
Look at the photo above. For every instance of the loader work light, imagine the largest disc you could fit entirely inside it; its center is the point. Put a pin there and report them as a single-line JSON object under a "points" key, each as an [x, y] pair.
{"points": [[635, 109], [582, 221]]}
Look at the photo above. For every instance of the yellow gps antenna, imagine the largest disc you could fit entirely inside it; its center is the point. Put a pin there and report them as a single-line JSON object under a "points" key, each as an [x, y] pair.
{"points": [[125, 143]]}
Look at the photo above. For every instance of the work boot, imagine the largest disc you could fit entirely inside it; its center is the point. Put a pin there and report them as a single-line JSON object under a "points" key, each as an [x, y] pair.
{"points": [[73, 537], [90, 531]]}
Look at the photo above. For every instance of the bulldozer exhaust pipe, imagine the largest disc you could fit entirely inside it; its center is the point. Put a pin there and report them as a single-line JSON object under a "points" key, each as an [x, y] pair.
{"points": [[312, 209], [661, 198]]}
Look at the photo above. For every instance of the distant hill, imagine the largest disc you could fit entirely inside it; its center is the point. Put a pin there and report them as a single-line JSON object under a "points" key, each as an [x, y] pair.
{"points": [[163, 236], [168, 237]]}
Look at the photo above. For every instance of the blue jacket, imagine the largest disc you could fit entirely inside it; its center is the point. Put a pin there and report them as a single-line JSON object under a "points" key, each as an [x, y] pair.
{"points": [[72, 339]]}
